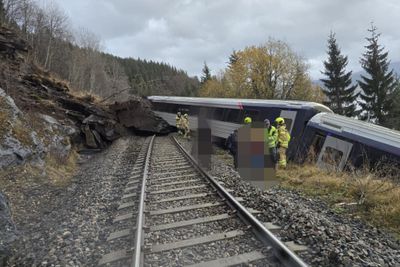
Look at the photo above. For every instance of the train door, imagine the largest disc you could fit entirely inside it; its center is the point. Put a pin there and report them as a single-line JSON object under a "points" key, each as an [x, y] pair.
{"points": [[289, 117], [334, 154]]}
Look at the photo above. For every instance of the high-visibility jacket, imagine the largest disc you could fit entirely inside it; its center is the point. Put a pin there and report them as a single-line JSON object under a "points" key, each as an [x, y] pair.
{"points": [[283, 136], [271, 136], [178, 120]]}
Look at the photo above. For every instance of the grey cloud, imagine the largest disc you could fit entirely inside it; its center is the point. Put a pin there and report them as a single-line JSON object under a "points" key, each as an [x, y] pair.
{"points": [[185, 33]]}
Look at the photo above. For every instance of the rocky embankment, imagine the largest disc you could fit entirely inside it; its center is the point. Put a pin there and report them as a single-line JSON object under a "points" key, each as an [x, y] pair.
{"points": [[43, 123]]}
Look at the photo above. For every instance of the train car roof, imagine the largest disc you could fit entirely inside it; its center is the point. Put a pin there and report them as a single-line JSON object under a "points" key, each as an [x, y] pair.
{"points": [[236, 103], [367, 133]]}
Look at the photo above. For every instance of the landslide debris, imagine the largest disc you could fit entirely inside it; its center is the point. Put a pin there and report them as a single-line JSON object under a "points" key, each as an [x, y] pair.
{"points": [[42, 125]]}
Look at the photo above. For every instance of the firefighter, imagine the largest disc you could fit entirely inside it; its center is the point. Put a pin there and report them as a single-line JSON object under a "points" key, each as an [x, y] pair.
{"points": [[185, 126], [247, 120], [283, 141], [178, 119], [271, 139]]}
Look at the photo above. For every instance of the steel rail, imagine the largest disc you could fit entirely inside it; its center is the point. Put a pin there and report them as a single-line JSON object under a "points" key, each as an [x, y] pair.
{"points": [[137, 257], [284, 254]]}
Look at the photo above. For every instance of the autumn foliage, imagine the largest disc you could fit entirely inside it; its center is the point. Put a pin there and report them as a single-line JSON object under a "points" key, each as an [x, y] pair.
{"points": [[268, 71]]}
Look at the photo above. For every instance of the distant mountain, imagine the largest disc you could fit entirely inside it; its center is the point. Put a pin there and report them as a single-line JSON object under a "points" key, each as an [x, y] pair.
{"points": [[357, 75]]}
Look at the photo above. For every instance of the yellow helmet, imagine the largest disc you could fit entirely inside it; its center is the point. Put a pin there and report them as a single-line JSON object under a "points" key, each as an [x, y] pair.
{"points": [[185, 115], [247, 120], [280, 120]]}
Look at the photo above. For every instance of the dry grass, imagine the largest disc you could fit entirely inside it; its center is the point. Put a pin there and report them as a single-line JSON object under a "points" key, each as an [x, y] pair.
{"points": [[86, 96], [376, 199], [60, 169], [22, 133], [4, 116]]}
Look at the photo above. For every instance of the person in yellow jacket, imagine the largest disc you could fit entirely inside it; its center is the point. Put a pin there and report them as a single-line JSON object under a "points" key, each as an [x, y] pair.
{"points": [[283, 141], [178, 120], [271, 139], [185, 126]]}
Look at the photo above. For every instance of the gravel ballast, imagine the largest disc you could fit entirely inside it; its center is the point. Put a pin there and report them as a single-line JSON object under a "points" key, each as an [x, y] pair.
{"points": [[333, 239], [70, 225]]}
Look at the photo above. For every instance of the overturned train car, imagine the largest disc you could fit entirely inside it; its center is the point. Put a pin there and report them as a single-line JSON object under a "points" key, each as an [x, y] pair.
{"points": [[226, 114], [339, 142], [334, 141]]}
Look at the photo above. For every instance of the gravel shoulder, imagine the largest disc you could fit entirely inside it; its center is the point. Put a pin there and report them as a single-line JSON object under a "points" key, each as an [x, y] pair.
{"points": [[68, 225], [333, 239]]}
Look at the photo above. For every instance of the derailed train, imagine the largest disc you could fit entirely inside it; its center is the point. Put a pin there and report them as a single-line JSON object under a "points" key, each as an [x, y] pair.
{"points": [[335, 141]]}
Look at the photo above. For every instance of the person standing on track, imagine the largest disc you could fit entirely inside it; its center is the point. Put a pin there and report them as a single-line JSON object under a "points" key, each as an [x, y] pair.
{"points": [[271, 139], [283, 141], [185, 126], [178, 119]]}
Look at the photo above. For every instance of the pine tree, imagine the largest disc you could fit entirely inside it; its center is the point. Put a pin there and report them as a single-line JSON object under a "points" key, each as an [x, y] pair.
{"points": [[379, 85], [206, 74], [233, 58], [338, 89]]}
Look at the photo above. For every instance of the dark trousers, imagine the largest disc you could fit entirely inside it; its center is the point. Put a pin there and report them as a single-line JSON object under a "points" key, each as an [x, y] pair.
{"points": [[273, 154]]}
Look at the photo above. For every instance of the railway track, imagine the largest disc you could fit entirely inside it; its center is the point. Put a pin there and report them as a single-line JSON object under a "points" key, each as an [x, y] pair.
{"points": [[173, 214]]}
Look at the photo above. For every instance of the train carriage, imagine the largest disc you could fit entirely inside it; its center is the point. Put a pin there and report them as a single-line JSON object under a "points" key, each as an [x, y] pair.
{"points": [[226, 114], [339, 141]]}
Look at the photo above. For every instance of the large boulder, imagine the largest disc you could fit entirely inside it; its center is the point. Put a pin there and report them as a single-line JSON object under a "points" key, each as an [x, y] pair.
{"points": [[8, 232], [137, 114]]}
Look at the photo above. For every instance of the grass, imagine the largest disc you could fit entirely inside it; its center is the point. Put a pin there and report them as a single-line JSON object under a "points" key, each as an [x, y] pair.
{"points": [[371, 197], [59, 168], [4, 117]]}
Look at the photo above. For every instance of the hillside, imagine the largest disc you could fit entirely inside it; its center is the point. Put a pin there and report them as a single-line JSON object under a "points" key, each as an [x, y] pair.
{"points": [[43, 127]]}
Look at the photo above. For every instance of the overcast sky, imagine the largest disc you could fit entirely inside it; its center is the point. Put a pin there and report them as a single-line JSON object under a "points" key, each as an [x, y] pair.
{"points": [[185, 33]]}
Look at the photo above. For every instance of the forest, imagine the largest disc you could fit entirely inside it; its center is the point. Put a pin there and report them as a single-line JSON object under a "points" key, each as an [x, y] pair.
{"points": [[76, 56]]}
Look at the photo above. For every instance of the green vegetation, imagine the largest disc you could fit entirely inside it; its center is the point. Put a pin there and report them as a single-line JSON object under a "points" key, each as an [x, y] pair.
{"points": [[378, 87], [337, 84]]}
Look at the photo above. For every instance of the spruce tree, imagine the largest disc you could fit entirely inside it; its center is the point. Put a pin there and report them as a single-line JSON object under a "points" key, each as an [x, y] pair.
{"points": [[233, 58], [206, 74], [337, 86], [379, 84]]}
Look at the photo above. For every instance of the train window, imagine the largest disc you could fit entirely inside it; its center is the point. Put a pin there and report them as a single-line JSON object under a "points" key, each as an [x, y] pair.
{"points": [[193, 110], [288, 123], [218, 114], [233, 115], [252, 113], [316, 147], [332, 156]]}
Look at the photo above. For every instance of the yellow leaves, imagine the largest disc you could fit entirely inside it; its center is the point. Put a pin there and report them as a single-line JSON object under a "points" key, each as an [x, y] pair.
{"points": [[269, 71]]}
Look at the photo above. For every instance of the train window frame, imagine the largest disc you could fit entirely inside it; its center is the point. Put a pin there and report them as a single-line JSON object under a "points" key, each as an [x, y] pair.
{"points": [[233, 118], [246, 113], [218, 114]]}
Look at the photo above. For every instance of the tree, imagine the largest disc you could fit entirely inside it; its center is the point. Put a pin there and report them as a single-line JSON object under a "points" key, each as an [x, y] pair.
{"points": [[379, 85], [338, 89], [394, 115], [272, 71], [206, 74], [2, 13]]}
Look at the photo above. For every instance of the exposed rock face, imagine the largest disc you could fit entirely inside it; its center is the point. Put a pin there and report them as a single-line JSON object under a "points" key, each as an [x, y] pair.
{"points": [[137, 114], [37, 91], [14, 50], [8, 233]]}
